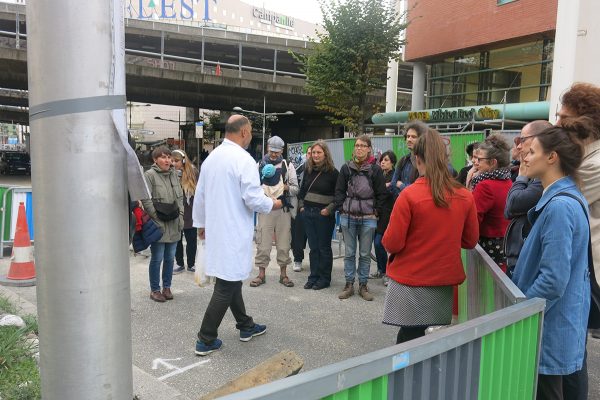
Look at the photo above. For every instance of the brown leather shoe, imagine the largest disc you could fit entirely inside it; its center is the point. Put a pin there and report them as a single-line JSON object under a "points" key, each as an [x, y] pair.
{"points": [[158, 296], [167, 293]]}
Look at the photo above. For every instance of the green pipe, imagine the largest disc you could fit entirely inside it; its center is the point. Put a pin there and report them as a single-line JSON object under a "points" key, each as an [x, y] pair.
{"points": [[515, 111]]}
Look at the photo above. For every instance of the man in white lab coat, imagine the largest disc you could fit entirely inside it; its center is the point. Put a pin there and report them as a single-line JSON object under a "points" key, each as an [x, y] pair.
{"points": [[227, 194]]}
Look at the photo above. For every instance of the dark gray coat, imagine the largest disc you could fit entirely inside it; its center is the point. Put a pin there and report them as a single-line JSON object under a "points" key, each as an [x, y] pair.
{"points": [[522, 197]]}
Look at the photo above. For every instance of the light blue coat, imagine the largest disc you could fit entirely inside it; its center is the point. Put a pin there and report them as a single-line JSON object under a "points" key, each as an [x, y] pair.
{"points": [[553, 265]]}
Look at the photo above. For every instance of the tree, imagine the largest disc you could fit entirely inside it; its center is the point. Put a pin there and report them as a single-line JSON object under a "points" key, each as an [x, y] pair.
{"points": [[350, 58]]}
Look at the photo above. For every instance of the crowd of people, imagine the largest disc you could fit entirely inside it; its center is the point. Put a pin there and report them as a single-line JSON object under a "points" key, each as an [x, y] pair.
{"points": [[537, 217]]}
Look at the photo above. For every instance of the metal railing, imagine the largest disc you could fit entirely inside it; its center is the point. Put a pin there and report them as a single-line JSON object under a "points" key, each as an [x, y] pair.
{"points": [[487, 288], [494, 355]]}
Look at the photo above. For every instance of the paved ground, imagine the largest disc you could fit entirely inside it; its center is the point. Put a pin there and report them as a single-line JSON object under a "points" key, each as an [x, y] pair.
{"points": [[316, 325]]}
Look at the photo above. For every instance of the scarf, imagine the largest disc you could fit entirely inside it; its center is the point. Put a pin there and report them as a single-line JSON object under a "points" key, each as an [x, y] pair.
{"points": [[267, 160], [500, 174]]}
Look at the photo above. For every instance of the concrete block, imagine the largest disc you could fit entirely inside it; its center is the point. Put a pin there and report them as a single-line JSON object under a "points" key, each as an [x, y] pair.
{"points": [[281, 365]]}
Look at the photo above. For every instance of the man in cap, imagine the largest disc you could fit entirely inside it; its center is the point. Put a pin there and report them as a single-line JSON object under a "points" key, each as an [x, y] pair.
{"points": [[277, 222]]}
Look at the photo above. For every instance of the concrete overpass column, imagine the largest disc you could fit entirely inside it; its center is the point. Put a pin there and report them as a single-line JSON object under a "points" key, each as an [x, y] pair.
{"points": [[189, 134], [576, 57], [418, 88]]}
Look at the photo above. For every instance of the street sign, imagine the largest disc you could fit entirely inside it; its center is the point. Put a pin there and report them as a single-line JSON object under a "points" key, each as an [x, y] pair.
{"points": [[199, 130]]}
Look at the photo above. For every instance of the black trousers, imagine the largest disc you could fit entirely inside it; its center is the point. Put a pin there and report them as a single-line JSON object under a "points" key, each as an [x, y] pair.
{"points": [[191, 239], [225, 295], [407, 333], [564, 387], [298, 237]]}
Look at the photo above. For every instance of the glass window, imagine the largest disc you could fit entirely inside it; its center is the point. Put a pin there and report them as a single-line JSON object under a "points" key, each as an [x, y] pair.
{"points": [[500, 2], [513, 74]]}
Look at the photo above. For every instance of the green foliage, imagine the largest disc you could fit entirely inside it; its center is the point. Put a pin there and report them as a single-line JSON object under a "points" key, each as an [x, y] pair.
{"points": [[350, 58], [18, 369], [6, 307]]}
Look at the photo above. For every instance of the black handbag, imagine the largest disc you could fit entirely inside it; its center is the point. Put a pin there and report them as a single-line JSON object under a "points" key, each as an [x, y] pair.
{"points": [[166, 211]]}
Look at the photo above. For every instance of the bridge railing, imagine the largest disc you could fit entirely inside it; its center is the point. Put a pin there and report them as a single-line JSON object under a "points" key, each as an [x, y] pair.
{"points": [[493, 355]]}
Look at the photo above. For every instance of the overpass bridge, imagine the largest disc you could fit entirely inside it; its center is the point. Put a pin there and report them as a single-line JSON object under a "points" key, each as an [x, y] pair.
{"points": [[210, 67]]}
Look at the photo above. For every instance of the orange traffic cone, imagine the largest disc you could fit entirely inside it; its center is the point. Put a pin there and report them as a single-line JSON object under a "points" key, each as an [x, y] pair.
{"points": [[22, 267]]}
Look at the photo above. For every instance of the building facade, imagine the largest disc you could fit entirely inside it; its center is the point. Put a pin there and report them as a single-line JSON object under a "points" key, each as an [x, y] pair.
{"points": [[480, 52]]}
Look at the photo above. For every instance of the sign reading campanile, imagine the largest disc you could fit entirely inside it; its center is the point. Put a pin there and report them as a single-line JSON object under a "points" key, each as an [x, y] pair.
{"points": [[271, 17]]}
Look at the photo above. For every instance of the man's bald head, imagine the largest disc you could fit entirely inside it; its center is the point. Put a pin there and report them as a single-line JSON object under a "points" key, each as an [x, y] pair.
{"points": [[534, 128], [235, 123]]}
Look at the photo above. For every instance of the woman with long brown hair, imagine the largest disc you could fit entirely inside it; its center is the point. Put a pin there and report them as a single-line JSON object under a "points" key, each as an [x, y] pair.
{"points": [[425, 260], [188, 177], [315, 203]]}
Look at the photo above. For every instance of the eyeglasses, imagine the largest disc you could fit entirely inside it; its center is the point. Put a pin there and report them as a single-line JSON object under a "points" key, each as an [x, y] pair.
{"points": [[478, 159], [522, 139], [361, 146]]}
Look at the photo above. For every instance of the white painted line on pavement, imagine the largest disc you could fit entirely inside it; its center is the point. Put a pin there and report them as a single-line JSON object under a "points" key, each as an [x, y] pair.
{"points": [[157, 361], [182, 370]]}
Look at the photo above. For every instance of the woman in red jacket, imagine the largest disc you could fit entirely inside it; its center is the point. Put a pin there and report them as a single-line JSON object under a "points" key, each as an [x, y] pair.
{"points": [[425, 260], [490, 189]]}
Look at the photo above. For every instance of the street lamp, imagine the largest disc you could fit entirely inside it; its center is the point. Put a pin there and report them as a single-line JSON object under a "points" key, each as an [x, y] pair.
{"points": [[131, 105], [264, 117]]}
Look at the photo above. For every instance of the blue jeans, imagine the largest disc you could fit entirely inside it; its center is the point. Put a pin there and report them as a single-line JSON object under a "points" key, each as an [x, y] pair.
{"points": [[161, 253], [318, 231], [361, 231], [380, 253]]}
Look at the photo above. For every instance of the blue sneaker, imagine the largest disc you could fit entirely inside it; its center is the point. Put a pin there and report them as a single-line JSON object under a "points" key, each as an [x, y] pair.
{"points": [[256, 330], [203, 349]]}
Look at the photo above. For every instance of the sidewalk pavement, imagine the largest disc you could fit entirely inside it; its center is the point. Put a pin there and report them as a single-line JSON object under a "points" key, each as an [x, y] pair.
{"points": [[315, 324]]}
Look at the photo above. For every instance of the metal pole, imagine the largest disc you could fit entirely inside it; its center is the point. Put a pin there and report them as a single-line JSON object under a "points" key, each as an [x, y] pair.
{"points": [[84, 300], [264, 124]]}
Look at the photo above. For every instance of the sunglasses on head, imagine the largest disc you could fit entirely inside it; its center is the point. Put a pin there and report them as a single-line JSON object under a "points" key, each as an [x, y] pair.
{"points": [[522, 139]]}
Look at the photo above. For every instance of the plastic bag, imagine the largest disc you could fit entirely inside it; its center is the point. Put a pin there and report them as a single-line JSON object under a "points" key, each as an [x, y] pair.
{"points": [[200, 275]]}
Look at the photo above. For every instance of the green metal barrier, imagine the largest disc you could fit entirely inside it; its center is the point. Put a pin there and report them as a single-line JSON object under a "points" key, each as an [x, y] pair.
{"points": [[493, 355]]}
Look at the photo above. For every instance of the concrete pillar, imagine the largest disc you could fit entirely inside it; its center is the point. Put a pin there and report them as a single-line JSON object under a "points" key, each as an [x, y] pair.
{"points": [[418, 88], [576, 55], [192, 115], [391, 93]]}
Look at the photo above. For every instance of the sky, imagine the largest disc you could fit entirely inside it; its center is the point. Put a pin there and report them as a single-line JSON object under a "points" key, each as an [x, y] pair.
{"points": [[306, 10]]}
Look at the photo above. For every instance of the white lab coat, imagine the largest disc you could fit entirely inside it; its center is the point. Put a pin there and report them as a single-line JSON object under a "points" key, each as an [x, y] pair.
{"points": [[227, 194]]}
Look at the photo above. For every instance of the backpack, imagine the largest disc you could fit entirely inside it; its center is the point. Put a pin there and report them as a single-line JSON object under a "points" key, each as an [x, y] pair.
{"points": [[360, 196]]}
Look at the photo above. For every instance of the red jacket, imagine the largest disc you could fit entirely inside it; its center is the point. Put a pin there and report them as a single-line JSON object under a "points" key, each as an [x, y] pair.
{"points": [[490, 198], [425, 240]]}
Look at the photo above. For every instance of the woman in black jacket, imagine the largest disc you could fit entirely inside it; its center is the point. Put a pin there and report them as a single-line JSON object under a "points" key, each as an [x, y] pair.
{"points": [[386, 162], [315, 202]]}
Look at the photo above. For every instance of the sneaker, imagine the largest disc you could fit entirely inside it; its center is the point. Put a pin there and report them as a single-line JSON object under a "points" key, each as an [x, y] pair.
{"points": [[203, 349], [376, 275], [178, 269], [256, 330], [297, 266], [192, 269], [595, 333]]}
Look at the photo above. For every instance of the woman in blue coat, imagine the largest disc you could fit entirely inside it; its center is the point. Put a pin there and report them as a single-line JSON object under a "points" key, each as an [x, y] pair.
{"points": [[553, 263]]}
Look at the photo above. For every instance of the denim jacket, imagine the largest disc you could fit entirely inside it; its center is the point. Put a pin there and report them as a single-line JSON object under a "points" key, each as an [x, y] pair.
{"points": [[553, 265]]}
